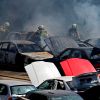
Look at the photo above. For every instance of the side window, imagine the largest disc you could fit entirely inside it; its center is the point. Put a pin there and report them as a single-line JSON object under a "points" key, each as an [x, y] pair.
{"points": [[65, 54], [12, 48], [76, 54], [5, 46], [60, 85], [3, 89], [47, 85]]}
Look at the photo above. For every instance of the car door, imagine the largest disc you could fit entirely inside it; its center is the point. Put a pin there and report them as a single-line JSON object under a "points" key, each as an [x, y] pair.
{"points": [[11, 54], [4, 92], [3, 50]]}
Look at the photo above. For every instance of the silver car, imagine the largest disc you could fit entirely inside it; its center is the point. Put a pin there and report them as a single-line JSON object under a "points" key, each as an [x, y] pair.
{"points": [[11, 89]]}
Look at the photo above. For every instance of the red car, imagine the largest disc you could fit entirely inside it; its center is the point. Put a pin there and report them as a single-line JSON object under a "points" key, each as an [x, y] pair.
{"points": [[76, 66]]}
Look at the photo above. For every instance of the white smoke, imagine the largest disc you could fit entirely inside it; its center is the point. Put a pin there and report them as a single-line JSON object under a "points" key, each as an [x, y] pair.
{"points": [[56, 15], [89, 15]]}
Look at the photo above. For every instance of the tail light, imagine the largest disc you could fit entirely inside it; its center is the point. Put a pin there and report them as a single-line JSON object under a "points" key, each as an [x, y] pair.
{"points": [[9, 98]]}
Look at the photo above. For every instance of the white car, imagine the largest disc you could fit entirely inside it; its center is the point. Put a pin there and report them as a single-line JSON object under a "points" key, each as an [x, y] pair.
{"points": [[10, 89]]}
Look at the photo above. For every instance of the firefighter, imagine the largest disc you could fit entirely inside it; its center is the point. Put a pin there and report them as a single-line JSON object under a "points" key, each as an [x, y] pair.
{"points": [[42, 32], [40, 35], [73, 32], [5, 27]]}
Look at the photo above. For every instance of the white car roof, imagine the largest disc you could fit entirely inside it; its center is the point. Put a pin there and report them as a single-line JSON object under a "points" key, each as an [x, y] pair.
{"points": [[14, 82], [65, 78]]}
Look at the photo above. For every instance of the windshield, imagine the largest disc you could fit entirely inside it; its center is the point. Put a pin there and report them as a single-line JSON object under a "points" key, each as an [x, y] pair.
{"points": [[47, 84], [67, 97], [88, 51], [29, 48], [21, 89], [92, 53]]}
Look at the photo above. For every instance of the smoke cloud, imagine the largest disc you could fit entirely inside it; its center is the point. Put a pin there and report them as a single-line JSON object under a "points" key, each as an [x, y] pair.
{"points": [[88, 14], [56, 15]]}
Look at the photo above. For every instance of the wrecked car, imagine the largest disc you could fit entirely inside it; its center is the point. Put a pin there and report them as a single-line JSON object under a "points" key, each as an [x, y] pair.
{"points": [[52, 95], [77, 84], [11, 89], [19, 53], [89, 53], [57, 83], [85, 81], [76, 66], [64, 50]]}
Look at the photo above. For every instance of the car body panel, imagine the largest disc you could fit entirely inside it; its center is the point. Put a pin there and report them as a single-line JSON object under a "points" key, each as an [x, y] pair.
{"points": [[39, 71], [76, 66], [38, 55], [85, 81], [53, 95]]}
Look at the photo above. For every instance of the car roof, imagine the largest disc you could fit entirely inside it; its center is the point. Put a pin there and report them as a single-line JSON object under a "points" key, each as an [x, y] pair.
{"points": [[75, 48], [53, 92], [14, 82], [64, 78]]}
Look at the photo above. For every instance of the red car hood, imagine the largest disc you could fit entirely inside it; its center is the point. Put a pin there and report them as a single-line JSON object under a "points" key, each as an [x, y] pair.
{"points": [[76, 66]]}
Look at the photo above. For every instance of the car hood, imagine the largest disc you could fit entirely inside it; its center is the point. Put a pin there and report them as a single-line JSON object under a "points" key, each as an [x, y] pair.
{"points": [[38, 55]]}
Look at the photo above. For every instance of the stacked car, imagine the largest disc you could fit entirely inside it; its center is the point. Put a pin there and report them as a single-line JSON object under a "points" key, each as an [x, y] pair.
{"points": [[71, 70]]}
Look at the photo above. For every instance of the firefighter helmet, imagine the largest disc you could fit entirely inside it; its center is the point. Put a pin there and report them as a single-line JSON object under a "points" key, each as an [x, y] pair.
{"points": [[41, 27], [6, 24], [74, 25]]}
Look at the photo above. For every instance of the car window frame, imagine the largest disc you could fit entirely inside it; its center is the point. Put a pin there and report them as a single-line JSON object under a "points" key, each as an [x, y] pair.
{"points": [[7, 90], [4, 49], [14, 51]]}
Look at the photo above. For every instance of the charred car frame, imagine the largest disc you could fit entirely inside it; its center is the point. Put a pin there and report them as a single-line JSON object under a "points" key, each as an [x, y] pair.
{"points": [[18, 53]]}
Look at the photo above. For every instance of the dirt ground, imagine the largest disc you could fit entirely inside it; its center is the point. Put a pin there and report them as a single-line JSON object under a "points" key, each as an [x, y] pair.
{"points": [[14, 75]]}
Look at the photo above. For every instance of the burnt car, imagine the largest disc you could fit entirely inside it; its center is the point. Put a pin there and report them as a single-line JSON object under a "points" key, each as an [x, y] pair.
{"points": [[90, 53], [19, 53], [52, 95]]}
